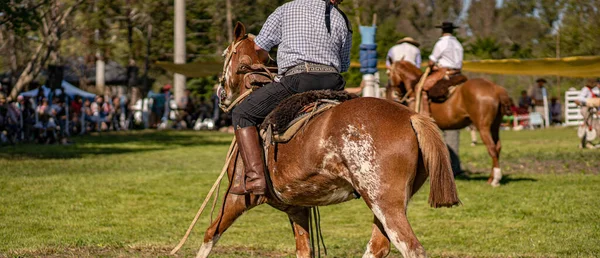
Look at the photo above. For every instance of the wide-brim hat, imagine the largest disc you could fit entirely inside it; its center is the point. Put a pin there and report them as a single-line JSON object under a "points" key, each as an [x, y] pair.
{"points": [[408, 40], [447, 26], [541, 80], [590, 83]]}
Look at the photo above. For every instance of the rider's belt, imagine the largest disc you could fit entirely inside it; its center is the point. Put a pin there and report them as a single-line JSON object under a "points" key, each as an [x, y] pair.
{"points": [[310, 68]]}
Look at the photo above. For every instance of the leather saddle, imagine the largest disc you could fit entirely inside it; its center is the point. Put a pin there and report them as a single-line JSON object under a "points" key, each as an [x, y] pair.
{"points": [[439, 83], [293, 113]]}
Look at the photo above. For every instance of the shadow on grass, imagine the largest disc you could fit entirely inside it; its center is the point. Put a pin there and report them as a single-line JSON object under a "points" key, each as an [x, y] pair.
{"points": [[506, 179], [115, 143]]}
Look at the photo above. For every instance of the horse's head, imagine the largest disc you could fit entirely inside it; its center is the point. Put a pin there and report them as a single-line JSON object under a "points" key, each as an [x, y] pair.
{"points": [[239, 69], [404, 76]]}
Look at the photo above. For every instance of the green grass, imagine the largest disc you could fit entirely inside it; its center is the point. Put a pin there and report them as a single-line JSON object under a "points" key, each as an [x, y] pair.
{"points": [[135, 194]]}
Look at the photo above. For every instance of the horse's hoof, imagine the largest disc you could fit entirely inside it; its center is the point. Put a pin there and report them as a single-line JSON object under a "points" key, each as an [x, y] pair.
{"points": [[495, 184]]}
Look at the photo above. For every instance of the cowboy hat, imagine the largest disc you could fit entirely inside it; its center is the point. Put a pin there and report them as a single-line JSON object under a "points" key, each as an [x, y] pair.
{"points": [[447, 26], [408, 40], [590, 83], [541, 80]]}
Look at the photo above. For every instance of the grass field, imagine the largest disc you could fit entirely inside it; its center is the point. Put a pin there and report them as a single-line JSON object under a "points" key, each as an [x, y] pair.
{"points": [[134, 194]]}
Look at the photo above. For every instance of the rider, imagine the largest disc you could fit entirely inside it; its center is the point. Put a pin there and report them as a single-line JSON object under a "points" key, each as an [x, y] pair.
{"points": [[447, 52], [445, 62], [406, 49], [589, 97], [314, 39]]}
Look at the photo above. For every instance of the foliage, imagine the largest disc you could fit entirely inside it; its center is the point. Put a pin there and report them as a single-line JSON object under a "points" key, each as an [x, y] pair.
{"points": [[484, 48], [134, 194], [513, 29]]}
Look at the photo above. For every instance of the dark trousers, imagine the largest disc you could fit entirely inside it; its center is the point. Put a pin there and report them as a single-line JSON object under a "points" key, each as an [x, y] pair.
{"points": [[253, 110]]}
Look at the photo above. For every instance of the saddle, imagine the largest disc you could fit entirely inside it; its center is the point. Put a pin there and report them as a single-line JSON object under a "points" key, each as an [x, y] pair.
{"points": [[440, 83], [293, 113]]}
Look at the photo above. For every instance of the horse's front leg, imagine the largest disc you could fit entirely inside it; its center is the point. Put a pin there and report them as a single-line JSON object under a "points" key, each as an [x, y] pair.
{"points": [[299, 217], [233, 207]]}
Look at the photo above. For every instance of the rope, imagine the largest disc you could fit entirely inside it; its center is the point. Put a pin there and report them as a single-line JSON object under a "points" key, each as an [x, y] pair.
{"points": [[315, 215], [420, 88], [210, 193]]}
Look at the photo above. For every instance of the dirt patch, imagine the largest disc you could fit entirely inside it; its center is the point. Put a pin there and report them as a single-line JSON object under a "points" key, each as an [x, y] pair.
{"points": [[531, 166], [143, 251]]}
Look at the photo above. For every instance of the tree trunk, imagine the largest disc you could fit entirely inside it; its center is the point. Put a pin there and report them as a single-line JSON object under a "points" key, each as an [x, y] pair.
{"points": [[179, 79]]}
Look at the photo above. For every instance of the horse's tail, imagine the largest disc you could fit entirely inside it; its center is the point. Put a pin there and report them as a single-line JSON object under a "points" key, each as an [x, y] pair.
{"points": [[437, 162], [505, 101]]}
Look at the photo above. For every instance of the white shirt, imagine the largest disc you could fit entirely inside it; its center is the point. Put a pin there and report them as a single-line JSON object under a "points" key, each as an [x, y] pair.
{"points": [[448, 53], [586, 93], [405, 51]]}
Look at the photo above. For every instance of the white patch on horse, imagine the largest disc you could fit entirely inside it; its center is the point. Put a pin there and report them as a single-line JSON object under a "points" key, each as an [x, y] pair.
{"points": [[359, 151], [337, 195], [392, 235], [207, 247], [369, 253]]}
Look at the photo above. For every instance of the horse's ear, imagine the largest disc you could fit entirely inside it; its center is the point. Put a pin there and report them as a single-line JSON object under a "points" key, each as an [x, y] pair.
{"points": [[239, 31]]}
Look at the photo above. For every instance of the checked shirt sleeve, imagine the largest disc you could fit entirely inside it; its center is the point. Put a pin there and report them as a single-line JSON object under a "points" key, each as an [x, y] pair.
{"points": [[270, 34], [345, 52]]}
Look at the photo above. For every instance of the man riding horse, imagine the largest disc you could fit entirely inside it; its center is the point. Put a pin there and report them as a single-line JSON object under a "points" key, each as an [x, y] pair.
{"points": [[314, 39], [445, 62]]}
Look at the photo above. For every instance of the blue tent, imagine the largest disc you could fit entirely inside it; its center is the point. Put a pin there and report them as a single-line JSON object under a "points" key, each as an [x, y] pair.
{"points": [[73, 91], [69, 89]]}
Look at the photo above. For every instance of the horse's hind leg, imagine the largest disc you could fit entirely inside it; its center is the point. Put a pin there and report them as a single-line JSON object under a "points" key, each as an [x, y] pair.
{"points": [[233, 207], [390, 209], [379, 245], [299, 218], [493, 151]]}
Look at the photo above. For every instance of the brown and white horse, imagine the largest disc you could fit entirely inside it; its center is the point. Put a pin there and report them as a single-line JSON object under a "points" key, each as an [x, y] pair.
{"points": [[379, 149], [478, 101]]}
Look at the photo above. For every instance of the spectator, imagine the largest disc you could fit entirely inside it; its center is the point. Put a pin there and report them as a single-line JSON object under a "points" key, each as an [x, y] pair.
{"points": [[45, 125], [555, 111], [524, 101], [536, 94], [204, 109], [76, 105], [106, 113], [189, 109]]}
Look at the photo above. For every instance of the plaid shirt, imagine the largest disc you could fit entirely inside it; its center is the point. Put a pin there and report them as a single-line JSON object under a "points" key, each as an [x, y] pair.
{"points": [[298, 27]]}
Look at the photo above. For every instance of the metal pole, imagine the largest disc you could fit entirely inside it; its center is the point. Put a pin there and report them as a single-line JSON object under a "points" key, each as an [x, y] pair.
{"points": [[179, 79]]}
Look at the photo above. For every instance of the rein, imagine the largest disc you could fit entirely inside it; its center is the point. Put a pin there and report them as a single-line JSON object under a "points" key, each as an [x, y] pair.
{"points": [[420, 89]]}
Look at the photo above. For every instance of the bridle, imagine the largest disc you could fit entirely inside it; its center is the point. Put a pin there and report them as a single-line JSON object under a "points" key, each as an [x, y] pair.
{"points": [[256, 69]]}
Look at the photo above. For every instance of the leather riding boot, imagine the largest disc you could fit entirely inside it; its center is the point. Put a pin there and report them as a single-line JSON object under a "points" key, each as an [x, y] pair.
{"points": [[238, 182], [252, 155]]}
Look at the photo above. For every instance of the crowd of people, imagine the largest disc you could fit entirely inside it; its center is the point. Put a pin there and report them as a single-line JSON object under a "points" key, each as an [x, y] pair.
{"points": [[48, 119]]}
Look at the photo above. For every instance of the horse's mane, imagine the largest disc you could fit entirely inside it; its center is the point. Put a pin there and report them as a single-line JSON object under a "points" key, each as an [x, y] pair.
{"points": [[406, 68]]}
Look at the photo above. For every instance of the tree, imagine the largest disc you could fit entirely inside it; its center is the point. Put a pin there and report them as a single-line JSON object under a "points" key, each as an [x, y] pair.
{"points": [[53, 16]]}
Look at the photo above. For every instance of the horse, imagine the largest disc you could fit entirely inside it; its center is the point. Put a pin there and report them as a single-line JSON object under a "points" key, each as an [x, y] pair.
{"points": [[477, 102], [381, 151]]}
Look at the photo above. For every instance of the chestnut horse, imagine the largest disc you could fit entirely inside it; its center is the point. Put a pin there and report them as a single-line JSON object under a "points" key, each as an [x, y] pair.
{"points": [[478, 101], [375, 148]]}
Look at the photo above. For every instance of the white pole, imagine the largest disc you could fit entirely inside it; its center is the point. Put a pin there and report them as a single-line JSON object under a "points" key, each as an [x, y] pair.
{"points": [[179, 79], [369, 88]]}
